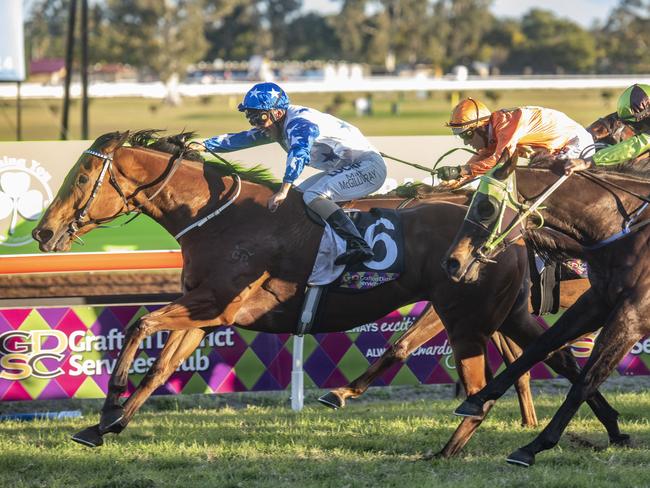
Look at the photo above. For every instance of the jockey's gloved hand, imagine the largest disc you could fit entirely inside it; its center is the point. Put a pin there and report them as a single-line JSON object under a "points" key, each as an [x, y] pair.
{"points": [[447, 173], [196, 146]]}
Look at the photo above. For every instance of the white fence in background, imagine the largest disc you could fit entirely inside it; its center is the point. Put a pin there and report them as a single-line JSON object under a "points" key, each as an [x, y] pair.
{"points": [[372, 84]]}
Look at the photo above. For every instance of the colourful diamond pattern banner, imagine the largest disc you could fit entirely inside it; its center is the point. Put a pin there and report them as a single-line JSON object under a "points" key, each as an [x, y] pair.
{"points": [[69, 352]]}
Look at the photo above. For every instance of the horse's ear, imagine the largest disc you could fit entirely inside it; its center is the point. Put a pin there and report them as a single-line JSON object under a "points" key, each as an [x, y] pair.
{"points": [[117, 142], [123, 137], [506, 165]]}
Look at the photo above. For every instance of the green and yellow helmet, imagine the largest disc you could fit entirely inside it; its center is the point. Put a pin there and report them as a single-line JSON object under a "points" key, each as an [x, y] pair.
{"points": [[634, 103]]}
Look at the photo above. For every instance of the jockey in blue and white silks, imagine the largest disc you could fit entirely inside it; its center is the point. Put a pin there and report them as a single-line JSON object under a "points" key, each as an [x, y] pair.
{"points": [[351, 167]]}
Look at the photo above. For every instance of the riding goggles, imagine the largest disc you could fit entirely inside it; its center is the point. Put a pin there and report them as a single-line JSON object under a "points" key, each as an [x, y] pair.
{"points": [[256, 118], [466, 135]]}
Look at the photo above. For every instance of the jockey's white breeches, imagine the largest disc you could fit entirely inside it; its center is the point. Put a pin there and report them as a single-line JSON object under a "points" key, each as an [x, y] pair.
{"points": [[365, 175], [580, 146]]}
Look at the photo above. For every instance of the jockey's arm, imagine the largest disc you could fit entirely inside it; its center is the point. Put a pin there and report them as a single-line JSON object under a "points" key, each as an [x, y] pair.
{"points": [[623, 151], [507, 128], [237, 141], [301, 134]]}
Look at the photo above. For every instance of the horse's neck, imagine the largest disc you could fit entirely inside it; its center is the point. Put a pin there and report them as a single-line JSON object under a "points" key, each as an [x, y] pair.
{"points": [[192, 192], [581, 209], [197, 189]]}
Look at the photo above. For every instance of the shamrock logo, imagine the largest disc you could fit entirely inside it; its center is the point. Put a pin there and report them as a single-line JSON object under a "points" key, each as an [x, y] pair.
{"points": [[16, 198]]}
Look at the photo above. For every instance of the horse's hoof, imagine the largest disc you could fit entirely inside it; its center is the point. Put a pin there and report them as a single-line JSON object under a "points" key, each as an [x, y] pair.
{"points": [[110, 420], [332, 401], [90, 437], [621, 440], [470, 409], [521, 458], [430, 456]]}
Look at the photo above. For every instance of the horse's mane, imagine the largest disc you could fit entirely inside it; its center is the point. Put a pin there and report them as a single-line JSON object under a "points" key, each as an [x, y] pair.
{"points": [[553, 246], [180, 143], [417, 191]]}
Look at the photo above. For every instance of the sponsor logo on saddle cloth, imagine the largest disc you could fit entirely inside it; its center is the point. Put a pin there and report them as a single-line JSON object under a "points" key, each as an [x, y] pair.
{"points": [[577, 267], [382, 230]]}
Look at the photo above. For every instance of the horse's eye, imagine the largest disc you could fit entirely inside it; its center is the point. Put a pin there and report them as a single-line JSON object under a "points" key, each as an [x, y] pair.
{"points": [[83, 179]]}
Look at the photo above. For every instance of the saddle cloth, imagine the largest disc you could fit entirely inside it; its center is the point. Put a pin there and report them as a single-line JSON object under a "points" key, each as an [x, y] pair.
{"points": [[382, 230]]}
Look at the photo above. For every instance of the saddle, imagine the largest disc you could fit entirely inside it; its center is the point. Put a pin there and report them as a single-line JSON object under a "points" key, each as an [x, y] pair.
{"points": [[546, 280], [382, 230]]}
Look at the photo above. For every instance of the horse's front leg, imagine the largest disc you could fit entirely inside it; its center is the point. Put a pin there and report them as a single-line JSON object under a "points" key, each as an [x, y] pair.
{"points": [[474, 372], [193, 310], [583, 317], [426, 327], [171, 357], [615, 340]]}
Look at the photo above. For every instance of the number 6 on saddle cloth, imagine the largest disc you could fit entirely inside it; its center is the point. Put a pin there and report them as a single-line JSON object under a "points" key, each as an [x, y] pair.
{"points": [[382, 230]]}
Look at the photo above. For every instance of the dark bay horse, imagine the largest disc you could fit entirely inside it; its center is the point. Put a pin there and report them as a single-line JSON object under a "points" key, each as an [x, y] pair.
{"points": [[592, 216], [609, 129], [429, 324], [248, 267]]}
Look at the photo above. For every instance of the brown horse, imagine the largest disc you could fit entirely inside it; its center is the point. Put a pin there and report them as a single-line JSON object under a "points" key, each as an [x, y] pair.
{"points": [[610, 129], [248, 267], [600, 217]]}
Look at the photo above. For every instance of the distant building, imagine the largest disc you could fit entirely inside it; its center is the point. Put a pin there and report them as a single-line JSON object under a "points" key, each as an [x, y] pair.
{"points": [[49, 71]]}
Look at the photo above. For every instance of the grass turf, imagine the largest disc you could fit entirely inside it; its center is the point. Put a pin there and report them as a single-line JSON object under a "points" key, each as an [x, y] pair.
{"points": [[209, 116], [369, 443]]}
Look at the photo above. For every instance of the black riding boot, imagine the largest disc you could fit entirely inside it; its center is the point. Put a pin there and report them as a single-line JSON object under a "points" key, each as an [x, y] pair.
{"points": [[357, 248]]}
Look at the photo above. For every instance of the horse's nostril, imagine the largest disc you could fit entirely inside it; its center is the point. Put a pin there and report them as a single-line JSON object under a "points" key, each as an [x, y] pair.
{"points": [[43, 235], [452, 265]]}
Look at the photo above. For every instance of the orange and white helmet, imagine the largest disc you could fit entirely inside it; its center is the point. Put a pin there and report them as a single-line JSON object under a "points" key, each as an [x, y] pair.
{"points": [[468, 114]]}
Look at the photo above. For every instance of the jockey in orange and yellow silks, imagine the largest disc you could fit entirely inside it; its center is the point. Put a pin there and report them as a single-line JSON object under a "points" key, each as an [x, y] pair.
{"points": [[523, 131]]}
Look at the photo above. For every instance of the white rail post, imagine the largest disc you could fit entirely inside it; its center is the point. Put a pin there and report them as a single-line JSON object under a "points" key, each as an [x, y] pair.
{"points": [[297, 383]]}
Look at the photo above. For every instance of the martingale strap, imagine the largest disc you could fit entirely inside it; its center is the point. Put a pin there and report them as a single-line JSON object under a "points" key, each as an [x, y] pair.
{"points": [[212, 215]]}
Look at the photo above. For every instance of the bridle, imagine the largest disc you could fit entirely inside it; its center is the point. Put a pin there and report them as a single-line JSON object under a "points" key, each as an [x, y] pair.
{"points": [[107, 168], [129, 203]]}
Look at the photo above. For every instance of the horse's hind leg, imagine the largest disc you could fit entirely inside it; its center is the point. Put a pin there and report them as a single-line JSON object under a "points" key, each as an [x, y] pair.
{"points": [[426, 327], [474, 377], [510, 351]]}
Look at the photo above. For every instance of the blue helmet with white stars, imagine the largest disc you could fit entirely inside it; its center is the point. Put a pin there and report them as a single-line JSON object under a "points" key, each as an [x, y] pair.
{"points": [[265, 96]]}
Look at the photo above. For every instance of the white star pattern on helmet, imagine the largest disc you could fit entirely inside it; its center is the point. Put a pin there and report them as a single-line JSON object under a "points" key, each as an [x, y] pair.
{"points": [[274, 93], [254, 93]]}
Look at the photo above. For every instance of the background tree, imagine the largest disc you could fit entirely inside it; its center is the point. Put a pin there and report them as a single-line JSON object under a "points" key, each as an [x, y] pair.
{"points": [[553, 45], [626, 38], [350, 25], [45, 29], [234, 31], [457, 28], [277, 14], [164, 37], [312, 36]]}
